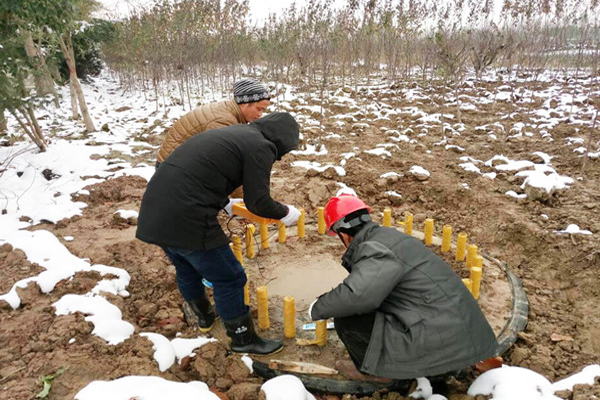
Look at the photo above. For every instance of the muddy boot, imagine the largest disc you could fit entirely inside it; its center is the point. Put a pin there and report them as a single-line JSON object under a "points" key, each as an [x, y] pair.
{"points": [[200, 312], [245, 340]]}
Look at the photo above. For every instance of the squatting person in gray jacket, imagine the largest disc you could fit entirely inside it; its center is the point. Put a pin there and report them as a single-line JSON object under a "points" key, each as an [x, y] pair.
{"points": [[402, 312]]}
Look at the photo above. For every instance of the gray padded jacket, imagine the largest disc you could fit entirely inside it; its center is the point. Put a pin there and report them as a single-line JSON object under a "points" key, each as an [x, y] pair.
{"points": [[427, 323]]}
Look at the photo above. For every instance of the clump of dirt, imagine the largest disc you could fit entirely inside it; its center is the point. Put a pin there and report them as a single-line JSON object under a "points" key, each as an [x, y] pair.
{"points": [[114, 190], [15, 267], [218, 368]]}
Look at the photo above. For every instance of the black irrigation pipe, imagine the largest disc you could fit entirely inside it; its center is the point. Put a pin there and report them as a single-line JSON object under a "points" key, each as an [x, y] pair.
{"points": [[517, 320], [519, 310], [336, 386]]}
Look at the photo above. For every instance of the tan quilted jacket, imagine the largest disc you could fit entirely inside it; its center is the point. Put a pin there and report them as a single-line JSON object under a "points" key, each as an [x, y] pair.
{"points": [[200, 119]]}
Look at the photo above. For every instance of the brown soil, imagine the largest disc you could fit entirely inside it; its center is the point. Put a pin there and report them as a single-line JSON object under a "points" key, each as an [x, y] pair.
{"points": [[559, 272]]}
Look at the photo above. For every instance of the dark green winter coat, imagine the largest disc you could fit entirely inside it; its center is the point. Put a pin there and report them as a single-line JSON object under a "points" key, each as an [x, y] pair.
{"points": [[427, 323]]}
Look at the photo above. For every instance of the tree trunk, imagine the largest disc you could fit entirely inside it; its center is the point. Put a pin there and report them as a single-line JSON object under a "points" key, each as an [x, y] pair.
{"points": [[187, 87], [74, 108], [456, 94], [588, 146], [67, 49], [43, 80], [3, 125], [29, 129], [155, 82], [37, 131]]}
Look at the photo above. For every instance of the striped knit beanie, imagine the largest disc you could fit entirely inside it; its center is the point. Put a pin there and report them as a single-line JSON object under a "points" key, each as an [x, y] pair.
{"points": [[249, 91]]}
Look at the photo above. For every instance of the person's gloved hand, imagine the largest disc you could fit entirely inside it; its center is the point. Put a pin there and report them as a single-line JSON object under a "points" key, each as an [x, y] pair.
{"points": [[291, 217], [310, 310], [229, 205]]}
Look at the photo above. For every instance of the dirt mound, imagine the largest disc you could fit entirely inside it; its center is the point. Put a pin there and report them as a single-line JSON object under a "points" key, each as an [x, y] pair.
{"points": [[114, 190], [15, 267], [216, 366]]}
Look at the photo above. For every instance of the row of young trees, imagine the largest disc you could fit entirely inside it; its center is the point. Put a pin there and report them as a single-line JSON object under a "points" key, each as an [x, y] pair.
{"points": [[37, 37], [207, 44], [200, 43]]}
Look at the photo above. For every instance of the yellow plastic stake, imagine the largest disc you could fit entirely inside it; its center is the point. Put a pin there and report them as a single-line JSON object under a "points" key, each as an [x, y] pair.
{"points": [[469, 284], [387, 217], [461, 246], [428, 231], [237, 248], [246, 294], [300, 223], [408, 220], [282, 233], [471, 253], [478, 261], [289, 317], [263, 307], [476, 279], [446, 238], [250, 250], [321, 217], [264, 236], [321, 331]]}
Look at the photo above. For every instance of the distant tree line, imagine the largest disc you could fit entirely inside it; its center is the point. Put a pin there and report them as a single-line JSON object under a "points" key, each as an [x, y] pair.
{"points": [[205, 43]]}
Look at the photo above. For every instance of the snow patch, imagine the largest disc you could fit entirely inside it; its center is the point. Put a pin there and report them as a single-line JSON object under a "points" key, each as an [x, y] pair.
{"points": [[512, 383], [286, 387], [317, 166], [105, 316], [574, 229], [145, 387]]}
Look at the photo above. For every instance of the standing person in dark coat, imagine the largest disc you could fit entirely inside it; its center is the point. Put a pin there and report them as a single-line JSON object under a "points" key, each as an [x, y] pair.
{"points": [[402, 312], [179, 213]]}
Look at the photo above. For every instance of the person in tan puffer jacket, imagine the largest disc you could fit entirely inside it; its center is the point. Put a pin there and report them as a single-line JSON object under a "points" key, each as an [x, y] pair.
{"points": [[250, 101]]}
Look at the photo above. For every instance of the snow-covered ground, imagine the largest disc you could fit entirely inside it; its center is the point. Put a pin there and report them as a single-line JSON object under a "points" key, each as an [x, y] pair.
{"points": [[27, 197]]}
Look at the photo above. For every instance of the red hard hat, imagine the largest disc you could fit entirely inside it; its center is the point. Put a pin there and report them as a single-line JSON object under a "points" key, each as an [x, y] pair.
{"points": [[340, 206]]}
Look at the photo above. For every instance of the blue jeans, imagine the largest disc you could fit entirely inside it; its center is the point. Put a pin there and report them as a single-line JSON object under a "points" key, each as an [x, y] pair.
{"points": [[220, 267]]}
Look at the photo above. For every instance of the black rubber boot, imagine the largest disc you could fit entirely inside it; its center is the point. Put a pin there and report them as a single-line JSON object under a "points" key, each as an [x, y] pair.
{"points": [[200, 312], [245, 340]]}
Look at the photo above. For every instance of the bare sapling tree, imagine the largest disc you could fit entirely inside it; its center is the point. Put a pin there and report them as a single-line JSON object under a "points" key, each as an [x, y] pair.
{"points": [[486, 45], [325, 53], [390, 39], [410, 15], [588, 146], [66, 44], [452, 53], [369, 35]]}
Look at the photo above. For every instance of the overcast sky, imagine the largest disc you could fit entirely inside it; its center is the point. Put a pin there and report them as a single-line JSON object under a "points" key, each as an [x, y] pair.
{"points": [[259, 9]]}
